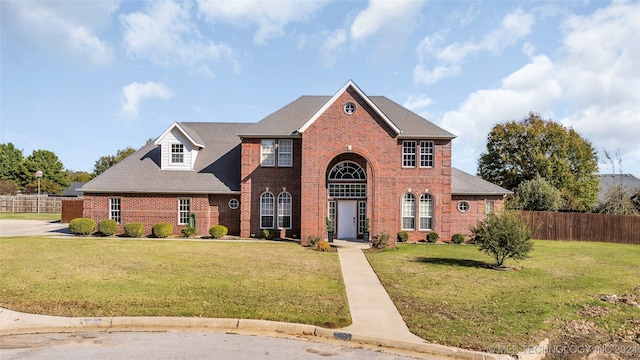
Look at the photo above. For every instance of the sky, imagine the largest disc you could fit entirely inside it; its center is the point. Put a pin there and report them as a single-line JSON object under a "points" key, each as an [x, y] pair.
{"points": [[84, 79]]}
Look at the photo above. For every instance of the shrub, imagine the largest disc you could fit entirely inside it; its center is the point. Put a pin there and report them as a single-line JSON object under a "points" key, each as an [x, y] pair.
{"points": [[536, 194], [162, 230], [268, 234], [381, 241], [133, 229], [108, 227], [403, 236], [433, 237], [82, 226], [457, 238], [324, 246], [218, 231], [188, 231], [503, 236], [313, 240]]}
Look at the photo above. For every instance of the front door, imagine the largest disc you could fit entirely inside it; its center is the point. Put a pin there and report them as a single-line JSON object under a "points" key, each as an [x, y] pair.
{"points": [[346, 226]]}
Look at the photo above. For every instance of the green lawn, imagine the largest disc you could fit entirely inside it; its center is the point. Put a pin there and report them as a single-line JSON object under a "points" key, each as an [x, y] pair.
{"points": [[113, 277], [29, 216], [447, 295]]}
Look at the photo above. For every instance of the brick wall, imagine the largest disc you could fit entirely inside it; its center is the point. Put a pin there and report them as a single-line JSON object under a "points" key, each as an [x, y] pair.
{"points": [[462, 221], [154, 208]]}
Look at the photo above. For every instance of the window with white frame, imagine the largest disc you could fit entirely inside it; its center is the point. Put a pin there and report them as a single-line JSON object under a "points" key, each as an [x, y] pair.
{"points": [[426, 153], [234, 203], [362, 216], [488, 207], [184, 210], [177, 153], [408, 153], [285, 152], [267, 152], [284, 211], [463, 206], [426, 212], [266, 210], [332, 212], [408, 211], [115, 209]]}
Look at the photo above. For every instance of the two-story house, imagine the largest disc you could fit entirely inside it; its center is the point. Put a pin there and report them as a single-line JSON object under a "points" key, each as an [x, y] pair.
{"points": [[347, 157]]}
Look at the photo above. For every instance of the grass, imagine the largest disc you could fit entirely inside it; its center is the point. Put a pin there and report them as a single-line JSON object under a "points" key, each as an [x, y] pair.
{"points": [[447, 295], [110, 277], [29, 216]]}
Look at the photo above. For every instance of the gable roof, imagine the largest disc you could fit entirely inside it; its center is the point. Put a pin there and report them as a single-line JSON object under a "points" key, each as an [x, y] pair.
{"points": [[463, 183], [630, 184], [189, 133], [216, 171], [294, 118]]}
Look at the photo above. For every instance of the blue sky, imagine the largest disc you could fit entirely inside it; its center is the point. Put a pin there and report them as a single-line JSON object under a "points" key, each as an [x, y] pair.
{"points": [[85, 79]]}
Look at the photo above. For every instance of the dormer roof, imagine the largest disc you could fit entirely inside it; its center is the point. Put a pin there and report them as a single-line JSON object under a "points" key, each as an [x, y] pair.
{"points": [[188, 133]]}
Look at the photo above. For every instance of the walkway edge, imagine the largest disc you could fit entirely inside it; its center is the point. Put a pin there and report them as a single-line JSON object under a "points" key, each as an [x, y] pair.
{"points": [[16, 323]]}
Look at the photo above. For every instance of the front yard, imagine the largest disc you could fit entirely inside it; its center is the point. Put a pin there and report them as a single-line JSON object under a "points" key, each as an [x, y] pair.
{"points": [[447, 295], [113, 277]]}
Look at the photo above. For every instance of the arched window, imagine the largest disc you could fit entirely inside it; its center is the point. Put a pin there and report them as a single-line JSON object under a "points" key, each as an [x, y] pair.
{"points": [[426, 212], [408, 211], [266, 210], [284, 210], [347, 170]]}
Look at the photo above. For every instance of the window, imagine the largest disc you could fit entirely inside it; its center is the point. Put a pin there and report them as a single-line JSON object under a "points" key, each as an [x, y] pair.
{"points": [[426, 153], [184, 209], [234, 203], [347, 171], [177, 153], [349, 108], [285, 153], [408, 154], [362, 216], [284, 211], [408, 211], [342, 190], [266, 210], [488, 207], [114, 209], [463, 206], [426, 212], [332, 212], [267, 153]]}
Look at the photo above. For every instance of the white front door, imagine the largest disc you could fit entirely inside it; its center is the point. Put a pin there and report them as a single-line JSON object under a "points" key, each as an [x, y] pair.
{"points": [[346, 226]]}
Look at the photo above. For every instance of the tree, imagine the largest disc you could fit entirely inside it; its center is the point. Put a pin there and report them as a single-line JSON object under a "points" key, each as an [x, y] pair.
{"points": [[8, 187], [616, 200], [12, 164], [503, 236], [80, 176], [520, 150], [536, 194], [54, 176], [105, 162]]}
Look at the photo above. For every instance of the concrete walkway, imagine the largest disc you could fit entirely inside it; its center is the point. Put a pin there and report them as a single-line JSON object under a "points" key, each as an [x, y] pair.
{"points": [[372, 311]]}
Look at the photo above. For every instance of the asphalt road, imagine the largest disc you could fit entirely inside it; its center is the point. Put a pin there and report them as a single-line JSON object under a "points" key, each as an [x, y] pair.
{"points": [[33, 228], [179, 345]]}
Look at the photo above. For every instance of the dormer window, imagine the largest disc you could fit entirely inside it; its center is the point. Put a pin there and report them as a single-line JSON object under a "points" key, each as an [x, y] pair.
{"points": [[177, 153]]}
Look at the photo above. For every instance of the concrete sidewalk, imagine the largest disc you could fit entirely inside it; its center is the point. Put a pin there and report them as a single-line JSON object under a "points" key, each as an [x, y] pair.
{"points": [[372, 311]]}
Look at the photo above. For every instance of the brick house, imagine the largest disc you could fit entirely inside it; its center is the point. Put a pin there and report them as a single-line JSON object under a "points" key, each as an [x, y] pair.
{"points": [[347, 157]]}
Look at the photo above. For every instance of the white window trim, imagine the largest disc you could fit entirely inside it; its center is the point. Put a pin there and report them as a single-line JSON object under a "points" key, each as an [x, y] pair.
{"points": [[235, 202], [181, 211], [264, 210], [263, 146], [431, 146], [280, 152], [405, 153], [290, 210], [117, 218], [463, 210], [402, 209], [425, 217], [175, 146]]}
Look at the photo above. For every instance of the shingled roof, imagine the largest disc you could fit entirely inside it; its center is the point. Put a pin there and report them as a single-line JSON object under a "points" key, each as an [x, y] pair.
{"points": [[463, 183], [216, 171]]}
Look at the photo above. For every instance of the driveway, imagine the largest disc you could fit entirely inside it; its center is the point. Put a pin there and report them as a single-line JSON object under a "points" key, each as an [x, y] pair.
{"points": [[33, 228]]}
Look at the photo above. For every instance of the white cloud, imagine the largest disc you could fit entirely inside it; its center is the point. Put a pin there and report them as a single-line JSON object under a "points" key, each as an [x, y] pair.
{"points": [[135, 92], [514, 26], [165, 34], [332, 47], [385, 15], [270, 17], [67, 28]]}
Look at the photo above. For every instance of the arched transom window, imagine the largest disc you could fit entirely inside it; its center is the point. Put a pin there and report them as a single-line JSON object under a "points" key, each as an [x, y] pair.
{"points": [[347, 180]]}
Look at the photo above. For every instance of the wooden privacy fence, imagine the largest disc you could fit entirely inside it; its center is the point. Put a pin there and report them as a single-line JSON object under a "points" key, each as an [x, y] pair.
{"points": [[583, 227], [29, 204]]}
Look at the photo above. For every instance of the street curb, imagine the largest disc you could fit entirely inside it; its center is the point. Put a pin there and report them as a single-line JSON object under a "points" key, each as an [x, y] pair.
{"points": [[16, 323]]}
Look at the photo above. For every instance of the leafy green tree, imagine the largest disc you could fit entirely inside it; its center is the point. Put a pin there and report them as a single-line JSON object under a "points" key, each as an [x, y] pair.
{"points": [[12, 164], [520, 150], [8, 187], [503, 236], [105, 162], [80, 176], [55, 177], [536, 194]]}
